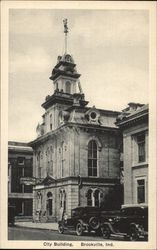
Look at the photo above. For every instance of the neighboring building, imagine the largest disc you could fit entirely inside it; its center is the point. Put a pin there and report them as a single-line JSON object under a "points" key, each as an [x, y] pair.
{"points": [[20, 158], [77, 152], [133, 123]]}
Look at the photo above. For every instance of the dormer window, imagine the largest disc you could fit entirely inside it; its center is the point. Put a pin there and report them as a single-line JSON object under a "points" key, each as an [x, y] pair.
{"points": [[68, 87], [93, 115]]}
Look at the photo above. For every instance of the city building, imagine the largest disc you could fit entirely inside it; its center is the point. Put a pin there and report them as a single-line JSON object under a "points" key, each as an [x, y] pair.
{"points": [[76, 156], [20, 159], [133, 123]]}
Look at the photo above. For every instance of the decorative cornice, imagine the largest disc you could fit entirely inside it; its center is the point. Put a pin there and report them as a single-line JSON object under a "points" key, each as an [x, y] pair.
{"points": [[20, 150], [58, 98], [84, 180], [87, 127], [133, 119], [63, 73]]}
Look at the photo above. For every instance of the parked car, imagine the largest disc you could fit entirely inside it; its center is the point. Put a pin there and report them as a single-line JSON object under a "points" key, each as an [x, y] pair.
{"points": [[82, 219], [130, 222], [11, 215]]}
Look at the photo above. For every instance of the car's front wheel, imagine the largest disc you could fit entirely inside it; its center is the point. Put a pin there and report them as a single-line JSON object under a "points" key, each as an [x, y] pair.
{"points": [[61, 228], [79, 229], [106, 232], [133, 236]]}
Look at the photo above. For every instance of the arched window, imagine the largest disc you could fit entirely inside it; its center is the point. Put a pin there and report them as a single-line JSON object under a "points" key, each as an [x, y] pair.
{"points": [[92, 158], [49, 203], [93, 197], [68, 87], [97, 198], [56, 85], [89, 198]]}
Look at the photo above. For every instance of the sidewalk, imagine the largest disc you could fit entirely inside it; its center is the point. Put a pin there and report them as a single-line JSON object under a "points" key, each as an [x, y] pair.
{"points": [[38, 225]]}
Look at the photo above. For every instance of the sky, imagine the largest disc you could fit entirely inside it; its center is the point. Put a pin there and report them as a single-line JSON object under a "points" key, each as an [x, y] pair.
{"points": [[110, 48]]}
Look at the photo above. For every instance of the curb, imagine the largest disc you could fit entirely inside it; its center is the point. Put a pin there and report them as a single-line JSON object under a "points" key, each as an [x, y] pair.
{"points": [[39, 228]]}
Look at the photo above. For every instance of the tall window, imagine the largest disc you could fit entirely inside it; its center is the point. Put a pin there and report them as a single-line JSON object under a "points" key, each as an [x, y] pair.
{"points": [[51, 170], [28, 172], [16, 173], [68, 88], [56, 85], [92, 158], [62, 150], [39, 156], [141, 147], [51, 122], [141, 191], [20, 167]]}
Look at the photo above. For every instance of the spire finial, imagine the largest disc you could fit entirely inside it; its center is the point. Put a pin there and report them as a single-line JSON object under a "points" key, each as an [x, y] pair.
{"points": [[65, 21]]}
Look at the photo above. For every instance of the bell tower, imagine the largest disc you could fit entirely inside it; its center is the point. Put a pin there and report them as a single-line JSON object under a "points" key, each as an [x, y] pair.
{"points": [[64, 74], [67, 89]]}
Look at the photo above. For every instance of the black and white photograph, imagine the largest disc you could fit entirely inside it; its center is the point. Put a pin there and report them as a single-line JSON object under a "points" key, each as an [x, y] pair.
{"points": [[78, 125]]}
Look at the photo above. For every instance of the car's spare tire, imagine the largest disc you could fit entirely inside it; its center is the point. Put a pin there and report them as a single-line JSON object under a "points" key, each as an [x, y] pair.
{"points": [[94, 223]]}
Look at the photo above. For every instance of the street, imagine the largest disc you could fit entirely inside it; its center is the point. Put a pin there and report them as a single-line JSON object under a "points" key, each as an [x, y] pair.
{"points": [[20, 233]]}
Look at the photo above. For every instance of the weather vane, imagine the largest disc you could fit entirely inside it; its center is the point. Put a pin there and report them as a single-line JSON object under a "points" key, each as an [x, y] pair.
{"points": [[65, 22]]}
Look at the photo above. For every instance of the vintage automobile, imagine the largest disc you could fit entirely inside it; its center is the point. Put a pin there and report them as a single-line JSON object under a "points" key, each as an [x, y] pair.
{"points": [[131, 222], [11, 215], [82, 219]]}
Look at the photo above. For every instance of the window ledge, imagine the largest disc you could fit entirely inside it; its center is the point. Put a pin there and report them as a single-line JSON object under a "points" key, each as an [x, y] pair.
{"points": [[141, 164]]}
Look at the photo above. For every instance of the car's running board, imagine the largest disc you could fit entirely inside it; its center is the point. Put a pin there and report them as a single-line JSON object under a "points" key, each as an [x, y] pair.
{"points": [[119, 235]]}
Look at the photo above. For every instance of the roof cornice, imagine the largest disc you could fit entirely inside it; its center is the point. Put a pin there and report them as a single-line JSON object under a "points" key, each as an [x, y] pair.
{"points": [[50, 134], [133, 119]]}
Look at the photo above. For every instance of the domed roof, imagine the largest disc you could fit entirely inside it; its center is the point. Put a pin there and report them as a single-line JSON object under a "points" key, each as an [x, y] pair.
{"points": [[65, 66], [67, 58]]}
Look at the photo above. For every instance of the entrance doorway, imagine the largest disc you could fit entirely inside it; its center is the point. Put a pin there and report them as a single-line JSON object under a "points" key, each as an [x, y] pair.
{"points": [[49, 205]]}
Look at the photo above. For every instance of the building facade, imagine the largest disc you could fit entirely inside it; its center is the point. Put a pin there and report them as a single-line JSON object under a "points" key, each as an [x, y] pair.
{"points": [[77, 152], [133, 123], [20, 159]]}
